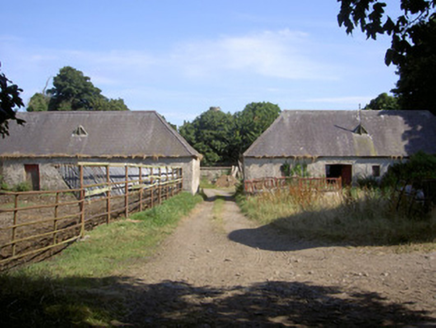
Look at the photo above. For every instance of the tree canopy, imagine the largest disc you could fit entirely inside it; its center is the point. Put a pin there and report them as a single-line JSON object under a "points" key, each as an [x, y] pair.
{"points": [[252, 122], [413, 44], [222, 137], [417, 71], [10, 101], [210, 135], [72, 90], [38, 103], [383, 101]]}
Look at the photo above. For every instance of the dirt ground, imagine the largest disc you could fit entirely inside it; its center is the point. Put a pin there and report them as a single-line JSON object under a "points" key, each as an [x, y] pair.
{"points": [[224, 271]]}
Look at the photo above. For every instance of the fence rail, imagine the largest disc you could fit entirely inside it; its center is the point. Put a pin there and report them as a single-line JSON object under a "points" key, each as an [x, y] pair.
{"points": [[270, 184], [34, 222]]}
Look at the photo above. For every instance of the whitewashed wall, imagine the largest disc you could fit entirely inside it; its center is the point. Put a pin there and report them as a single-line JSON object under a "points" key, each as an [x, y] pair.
{"points": [[256, 168], [13, 169]]}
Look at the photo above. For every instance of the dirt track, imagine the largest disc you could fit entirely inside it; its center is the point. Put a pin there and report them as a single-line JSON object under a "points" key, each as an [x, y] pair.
{"points": [[226, 271]]}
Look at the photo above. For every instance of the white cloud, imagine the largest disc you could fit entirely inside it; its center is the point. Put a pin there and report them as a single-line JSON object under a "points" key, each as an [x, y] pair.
{"points": [[277, 54], [341, 100]]}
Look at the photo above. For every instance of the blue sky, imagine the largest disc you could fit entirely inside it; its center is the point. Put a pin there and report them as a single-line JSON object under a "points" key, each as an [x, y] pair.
{"points": [[182, 57]]}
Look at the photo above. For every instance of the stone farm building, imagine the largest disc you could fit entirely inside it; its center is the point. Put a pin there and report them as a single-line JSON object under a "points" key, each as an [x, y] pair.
{"points": [[49, 139], [341, 143]]}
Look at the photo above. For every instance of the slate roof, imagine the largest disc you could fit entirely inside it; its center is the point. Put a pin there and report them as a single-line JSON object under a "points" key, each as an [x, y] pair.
{"points": [[320, 133], [94, 134]]}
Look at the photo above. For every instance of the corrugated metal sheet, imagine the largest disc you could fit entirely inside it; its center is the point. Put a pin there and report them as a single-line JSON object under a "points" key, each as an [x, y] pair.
{"points": [[93, 175], [308, 133]]}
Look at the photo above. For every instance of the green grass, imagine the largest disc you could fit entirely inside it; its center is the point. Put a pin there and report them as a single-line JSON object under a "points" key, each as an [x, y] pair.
{"points": [[218, 206], [356, 217], [78, 287], [206, 184]]}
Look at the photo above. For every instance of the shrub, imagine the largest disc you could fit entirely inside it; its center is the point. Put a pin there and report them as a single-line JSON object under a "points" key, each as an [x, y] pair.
{"points": [[3, 184], [420, 166], [23, 186], [298, 169], [368, 182]]}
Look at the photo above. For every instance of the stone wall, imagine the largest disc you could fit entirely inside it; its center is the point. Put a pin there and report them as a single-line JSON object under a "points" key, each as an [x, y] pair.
{"points": [[213, 173]]}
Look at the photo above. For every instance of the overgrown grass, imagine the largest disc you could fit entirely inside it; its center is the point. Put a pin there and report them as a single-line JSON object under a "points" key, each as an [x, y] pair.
{"points": [[206, 184], [78, 287], [355, 217]]}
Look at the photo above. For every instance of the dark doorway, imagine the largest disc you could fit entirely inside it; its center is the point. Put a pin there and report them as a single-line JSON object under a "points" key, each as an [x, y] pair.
{"points": [[32, 175], [339, 171]]}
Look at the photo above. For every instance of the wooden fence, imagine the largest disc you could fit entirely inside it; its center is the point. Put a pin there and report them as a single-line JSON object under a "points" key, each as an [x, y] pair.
{"points": [[270, 184], [32, 223]]}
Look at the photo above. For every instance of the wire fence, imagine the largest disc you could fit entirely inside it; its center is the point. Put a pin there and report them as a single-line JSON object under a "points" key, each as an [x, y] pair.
{"points": [[36, 222]]}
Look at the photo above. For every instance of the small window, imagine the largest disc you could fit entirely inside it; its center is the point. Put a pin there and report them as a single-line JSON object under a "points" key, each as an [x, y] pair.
{"points": [[376, 170], [360, 130], [80, 132]]}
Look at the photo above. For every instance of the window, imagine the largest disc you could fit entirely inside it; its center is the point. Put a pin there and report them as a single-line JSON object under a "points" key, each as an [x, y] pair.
{"points": [[376, 170], [79, 132]]}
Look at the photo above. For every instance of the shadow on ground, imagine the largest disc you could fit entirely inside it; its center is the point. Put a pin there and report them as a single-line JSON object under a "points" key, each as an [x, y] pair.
{"points": [[128, 303], [270, 238]]}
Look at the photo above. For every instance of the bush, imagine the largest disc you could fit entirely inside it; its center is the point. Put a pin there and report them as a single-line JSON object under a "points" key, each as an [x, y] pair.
{"points": [[368, 182], [420, 166], [23, 186], [3, 184]]}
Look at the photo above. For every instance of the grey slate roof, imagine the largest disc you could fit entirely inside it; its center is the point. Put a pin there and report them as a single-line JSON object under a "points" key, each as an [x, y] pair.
{"points": [[321, 133], [109, 134]]}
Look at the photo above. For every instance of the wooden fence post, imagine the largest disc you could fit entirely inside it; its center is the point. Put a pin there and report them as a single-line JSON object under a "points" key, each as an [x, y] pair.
{"points": [[140, 189], [108, 194], [167, 184], [55, 223], [14, 229], [82, 203], [151, 188], [159, 185], [126, 199], [180, 176]]}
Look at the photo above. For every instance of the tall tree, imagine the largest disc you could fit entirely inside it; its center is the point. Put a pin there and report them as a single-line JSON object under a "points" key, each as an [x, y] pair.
{"points": [[222, 138], [72, 90], [38, 103], [383, 101], [251, 123], [417, 71], [210, 135], [10, 101], [412, 46]]}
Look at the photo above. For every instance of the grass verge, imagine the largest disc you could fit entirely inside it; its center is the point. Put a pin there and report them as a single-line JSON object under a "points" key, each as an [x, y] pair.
{"points": [[206, 184], [354, 217], [81, 287]]}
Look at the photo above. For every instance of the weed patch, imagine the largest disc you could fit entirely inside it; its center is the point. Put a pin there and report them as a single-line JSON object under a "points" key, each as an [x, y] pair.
{"points": [[355, 217]]}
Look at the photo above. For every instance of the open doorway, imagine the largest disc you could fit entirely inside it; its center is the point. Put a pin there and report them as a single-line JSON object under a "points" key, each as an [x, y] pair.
{"points": [[32, 175], [343, 171]]}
